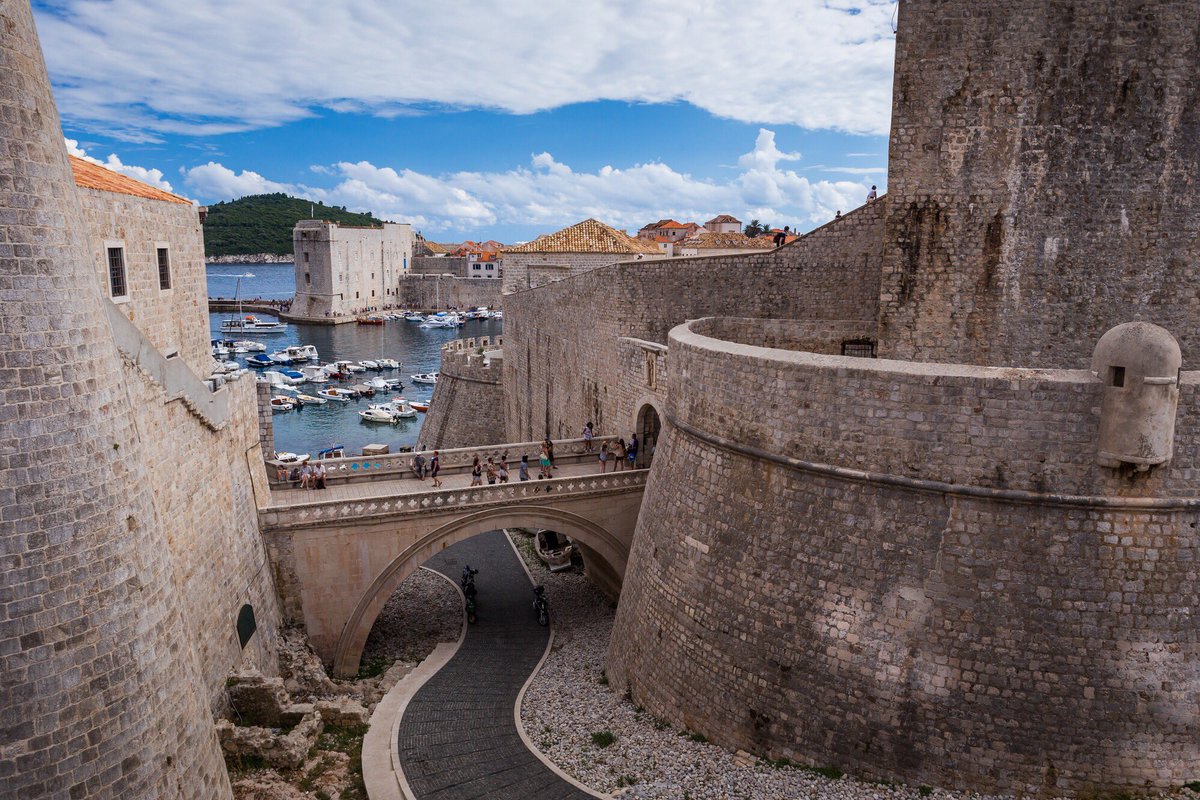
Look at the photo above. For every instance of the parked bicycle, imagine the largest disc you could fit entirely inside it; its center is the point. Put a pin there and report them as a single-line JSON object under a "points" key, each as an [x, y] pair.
{"points": [[468, 590], [540, 606]]}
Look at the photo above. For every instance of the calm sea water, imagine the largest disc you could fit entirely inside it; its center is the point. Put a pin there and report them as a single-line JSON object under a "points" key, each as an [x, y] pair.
{"points": [[315, 427]]}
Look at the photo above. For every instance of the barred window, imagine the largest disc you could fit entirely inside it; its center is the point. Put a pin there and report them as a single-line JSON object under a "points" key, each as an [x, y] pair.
{"points": [[859, 348], [116, 272], [164, 268]]}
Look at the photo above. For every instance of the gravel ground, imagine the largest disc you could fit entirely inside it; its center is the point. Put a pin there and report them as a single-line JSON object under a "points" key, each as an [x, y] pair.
{"points": [[569, 701], [424, 610]]}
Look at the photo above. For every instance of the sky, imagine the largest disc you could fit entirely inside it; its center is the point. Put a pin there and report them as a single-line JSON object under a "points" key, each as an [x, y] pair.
{"points": [[473, 119]]}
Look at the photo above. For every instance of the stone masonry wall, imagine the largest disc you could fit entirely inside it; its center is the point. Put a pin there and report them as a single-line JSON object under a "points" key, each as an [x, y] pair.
{"points": [[1041, 182], [436, 293], [440, 265], [101, 690], [984, 632], [562, 365], [530, 270], [174, 318], [467, 408]]}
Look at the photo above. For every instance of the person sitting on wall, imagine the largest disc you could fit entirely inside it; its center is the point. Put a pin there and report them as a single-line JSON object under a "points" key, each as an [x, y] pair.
{"points": [[872, 195]]}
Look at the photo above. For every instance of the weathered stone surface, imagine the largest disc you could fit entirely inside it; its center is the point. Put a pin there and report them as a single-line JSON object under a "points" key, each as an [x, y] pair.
{"points": [[256, 700], [283, 749], [343, 713], [467, 408]]}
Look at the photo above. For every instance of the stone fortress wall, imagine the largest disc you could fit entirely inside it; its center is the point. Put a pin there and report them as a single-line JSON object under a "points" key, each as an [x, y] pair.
{"points": [[103, 694], [344, 270], [938, 583], [563, 367], [437, 292], [468, 400], [175, 319], [454, 266], [1041, 179]]}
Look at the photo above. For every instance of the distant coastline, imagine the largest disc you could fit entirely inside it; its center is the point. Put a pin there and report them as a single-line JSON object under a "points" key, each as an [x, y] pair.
{"points": [[251, 258]]}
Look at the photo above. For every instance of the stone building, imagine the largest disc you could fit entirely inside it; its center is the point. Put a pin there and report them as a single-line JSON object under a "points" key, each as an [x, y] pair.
{"points": [[345, 270], [723, 223], [930, 568], [583, 246], [130, 542]]}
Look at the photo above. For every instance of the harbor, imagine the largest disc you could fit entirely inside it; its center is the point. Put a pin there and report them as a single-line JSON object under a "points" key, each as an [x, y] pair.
{"points": [[310, 428]]}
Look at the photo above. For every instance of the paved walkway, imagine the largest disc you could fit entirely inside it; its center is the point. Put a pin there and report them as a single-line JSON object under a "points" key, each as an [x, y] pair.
{"points": [[458, 738]]}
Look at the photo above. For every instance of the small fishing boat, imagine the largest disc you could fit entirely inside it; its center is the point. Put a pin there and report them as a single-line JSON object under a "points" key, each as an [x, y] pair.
{"points": [[260, 360], [314, 374], [292, 376], [291, 458], [424, 377], [382, 384], [333, 451], [309, 400], [349, 366], [417, 405], [219, 350], [294, 353], [399, 407], [371, 320], [250, 347], [227, 367], [279, 404], [376, 414], [369, 364], [363, 390], [553, 549], [387, 363], [334, 393]]}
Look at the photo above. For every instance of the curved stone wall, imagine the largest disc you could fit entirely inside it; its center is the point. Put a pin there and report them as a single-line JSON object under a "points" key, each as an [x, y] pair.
{"points": [[467, 408], [102, 695], [905, 609]]}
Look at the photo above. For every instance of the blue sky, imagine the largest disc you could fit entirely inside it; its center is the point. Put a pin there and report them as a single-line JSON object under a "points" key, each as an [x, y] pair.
{"points": [[484, 120]]}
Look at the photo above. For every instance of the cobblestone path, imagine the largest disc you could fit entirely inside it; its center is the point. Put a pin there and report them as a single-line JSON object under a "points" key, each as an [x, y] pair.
{"points": [[458, 737]]}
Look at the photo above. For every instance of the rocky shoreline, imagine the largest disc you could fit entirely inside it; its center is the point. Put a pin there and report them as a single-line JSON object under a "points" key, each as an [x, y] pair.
{"points": [[252, 258]]}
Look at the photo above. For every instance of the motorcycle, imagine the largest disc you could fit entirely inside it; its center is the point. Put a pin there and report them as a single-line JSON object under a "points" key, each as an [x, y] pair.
{"points": [[540, 607], [468, 590]]}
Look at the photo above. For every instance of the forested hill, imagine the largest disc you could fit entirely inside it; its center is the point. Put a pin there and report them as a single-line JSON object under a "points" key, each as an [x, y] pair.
{"points": [[262, 223]]}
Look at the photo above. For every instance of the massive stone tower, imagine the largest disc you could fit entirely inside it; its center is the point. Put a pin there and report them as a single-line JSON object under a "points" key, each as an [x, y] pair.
{"points": [[101, 695], [1043, 179]]}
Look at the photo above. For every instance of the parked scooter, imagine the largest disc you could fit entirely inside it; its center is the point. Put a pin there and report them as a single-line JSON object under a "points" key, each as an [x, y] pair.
{"points": [[540, 607], [468, 590]]}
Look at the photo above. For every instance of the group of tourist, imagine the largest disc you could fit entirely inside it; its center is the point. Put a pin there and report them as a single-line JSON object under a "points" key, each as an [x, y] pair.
{"points": [[496, 471], [306, 476], [622, 455], [421, 468]]}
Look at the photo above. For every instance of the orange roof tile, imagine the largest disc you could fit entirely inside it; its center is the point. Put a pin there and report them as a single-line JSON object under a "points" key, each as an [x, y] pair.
{"points": [[673, 224], [94, 176], [726, 241], [589, 236], [724, 218]]}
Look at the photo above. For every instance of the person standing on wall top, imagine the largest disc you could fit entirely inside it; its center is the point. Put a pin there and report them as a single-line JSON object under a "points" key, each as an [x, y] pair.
{"points": [[418, 466], [632, 449], [549, 446], [523, 469], [476, 472], [545, 462], [779, 238], [604, 456], [871, 195], [588, 433], [619, 454], [502, 471], [491, 471]]}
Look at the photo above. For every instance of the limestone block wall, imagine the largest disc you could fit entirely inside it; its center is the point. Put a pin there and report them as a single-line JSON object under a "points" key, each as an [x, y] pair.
{"points": [[440, 265], [436, 293], [467, 408], [562, 363], [910, 571], [1039, 185], [529, 270], [348, 269], [175, 319], [101, 690]]}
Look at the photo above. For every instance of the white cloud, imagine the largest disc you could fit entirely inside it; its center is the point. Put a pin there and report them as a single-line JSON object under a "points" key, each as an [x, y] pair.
{"points": [[550, 194], [138, 67], [154, 177]]}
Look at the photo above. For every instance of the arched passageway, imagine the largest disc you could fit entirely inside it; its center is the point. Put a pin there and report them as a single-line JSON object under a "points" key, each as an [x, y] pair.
{"points": [[648, 428], [604, 555]]}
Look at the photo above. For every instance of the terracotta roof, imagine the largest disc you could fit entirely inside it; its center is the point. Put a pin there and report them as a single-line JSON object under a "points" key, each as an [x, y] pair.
{"points": [[94, 176], [726, 241], [656, 225], [724, 218], [673, 224], [589, 236]]}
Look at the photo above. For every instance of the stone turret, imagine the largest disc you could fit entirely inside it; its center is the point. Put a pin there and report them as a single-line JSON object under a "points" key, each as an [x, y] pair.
{"points": [[101, 694], [467, 408]]}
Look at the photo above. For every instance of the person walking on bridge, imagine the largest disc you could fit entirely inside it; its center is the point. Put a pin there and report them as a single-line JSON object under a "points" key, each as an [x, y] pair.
{"points": [[476, 472], [632, 450], [588, 433], [435, 464]]}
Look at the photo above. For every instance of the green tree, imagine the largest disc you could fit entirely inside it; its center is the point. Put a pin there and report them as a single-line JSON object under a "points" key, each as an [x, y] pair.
{"points": [[756, 228]]}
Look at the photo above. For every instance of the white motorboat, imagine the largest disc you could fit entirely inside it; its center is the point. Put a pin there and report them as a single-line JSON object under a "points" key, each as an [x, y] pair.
{"points": [[379, 414], [314, 374], [399, 407], [309, 400], [412, 316], [369, 364], [226, 367], [292, 377], [252, 324], [382, 384], [260, 360], [279, 404], [447, 321], [273, 377], [219, 350], [349, 366], [294, 353], [425, 377], [291, 458], [250, 347], [334, 393], [388, 363]]}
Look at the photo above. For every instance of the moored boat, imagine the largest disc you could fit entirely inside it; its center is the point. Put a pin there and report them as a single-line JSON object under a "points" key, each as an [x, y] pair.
{"points": [[387, 363], [252, 324], [334, 393], [249, 346], [417, 405], [553, 549], [369, 364], [279, 404], [399, 407], [378, 414], [260, 360], [425, 377]]}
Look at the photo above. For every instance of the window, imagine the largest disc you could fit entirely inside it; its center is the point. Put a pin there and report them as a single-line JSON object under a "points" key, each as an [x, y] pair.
{"points": [[307, 278], [1116, 376], [859, 348], [306, 258], [164, 268], [116, 272]]}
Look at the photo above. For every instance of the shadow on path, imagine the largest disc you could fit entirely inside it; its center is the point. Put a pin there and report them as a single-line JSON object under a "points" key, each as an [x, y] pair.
{"points": [[458, 737]]}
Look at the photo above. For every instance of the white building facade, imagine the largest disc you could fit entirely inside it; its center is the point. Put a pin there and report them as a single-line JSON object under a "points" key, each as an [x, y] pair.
{"points": [[347, 270]]}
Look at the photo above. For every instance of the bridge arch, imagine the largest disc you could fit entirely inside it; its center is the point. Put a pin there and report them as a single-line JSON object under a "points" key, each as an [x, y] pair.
{"points": [[604, 553]]}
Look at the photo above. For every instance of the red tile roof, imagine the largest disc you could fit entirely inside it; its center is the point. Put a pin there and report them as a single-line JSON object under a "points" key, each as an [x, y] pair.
{"points": [[589, 236], [94, 176]]}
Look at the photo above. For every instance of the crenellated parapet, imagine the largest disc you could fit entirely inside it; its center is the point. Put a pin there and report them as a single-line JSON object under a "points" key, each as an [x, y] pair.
{"points": [[473, 359], [467, 407]]}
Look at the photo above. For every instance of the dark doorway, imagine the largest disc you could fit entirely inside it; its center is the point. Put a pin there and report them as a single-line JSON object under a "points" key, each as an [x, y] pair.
{"points": [[648, 427]]}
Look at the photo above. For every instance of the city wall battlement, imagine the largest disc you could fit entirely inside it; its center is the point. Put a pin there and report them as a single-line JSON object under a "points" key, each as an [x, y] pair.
{"points": [[468, 402]]}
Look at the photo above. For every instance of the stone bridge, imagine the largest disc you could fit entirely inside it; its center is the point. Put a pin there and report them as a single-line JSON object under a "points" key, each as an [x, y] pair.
{"points": [[340, 553]]}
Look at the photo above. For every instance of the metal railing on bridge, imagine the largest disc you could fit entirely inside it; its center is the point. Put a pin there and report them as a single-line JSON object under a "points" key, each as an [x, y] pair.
{"points": [[305, 512]]}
